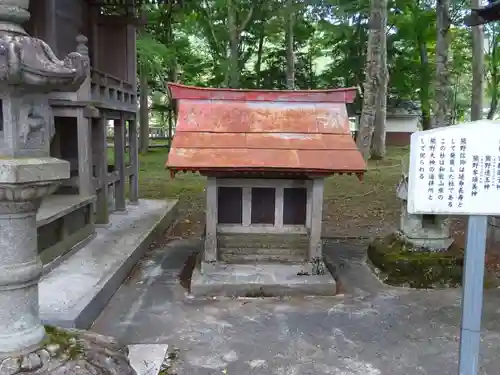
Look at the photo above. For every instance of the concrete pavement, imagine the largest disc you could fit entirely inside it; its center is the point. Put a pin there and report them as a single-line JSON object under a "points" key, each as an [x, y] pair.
{"points": [[370, 330]]}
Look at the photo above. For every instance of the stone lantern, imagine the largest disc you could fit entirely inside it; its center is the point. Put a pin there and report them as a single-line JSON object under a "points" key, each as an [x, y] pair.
{"points": [[424, 232], [29, 71]]}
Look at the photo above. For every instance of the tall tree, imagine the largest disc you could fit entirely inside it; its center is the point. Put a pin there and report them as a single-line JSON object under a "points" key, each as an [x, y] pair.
{"points": [[442, 109], [374, 70], [492, 32], [378, 148], [235, 30], [290, 53], [153, 55], [477, 68]]}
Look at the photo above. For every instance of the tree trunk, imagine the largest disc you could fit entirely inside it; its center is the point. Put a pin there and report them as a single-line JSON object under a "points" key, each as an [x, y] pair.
{"points": [[424, 95], [493, 103], [357, 49], [372, 84], [258, 63], [235, 31], [172, 107], [290, 55], [477, 68], [378, 148], [234, 43], [143, 112], [442, 109], [494, 78]]}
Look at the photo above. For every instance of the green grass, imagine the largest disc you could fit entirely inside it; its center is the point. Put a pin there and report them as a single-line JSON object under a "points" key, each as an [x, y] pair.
{"points": [[351, 206], [155, 181]]}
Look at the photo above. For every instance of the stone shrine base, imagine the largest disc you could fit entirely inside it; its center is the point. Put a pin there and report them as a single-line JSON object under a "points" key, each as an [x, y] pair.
{"points": [[260, 280]]}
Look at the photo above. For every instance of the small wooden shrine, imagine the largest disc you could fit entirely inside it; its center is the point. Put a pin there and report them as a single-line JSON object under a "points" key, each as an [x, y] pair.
{"points": [[265, 155]]}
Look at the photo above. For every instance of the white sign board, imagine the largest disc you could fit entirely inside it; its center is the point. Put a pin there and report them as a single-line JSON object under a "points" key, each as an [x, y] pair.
{"points": [[455, 170]]}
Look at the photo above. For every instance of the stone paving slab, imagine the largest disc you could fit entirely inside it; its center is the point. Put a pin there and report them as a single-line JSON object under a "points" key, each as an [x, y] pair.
{"points": [[371, 329], [147, 359], [74, 293]]}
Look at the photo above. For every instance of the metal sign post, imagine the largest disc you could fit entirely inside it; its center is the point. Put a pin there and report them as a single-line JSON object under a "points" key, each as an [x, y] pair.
{"points": [[455, 170], [472, 295]]}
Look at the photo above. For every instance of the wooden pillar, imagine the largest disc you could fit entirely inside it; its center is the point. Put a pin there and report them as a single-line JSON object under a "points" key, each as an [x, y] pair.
{"points": [[210, 253], [119, 138], [86, 185], [278, 208], [133, 149], [246, 214], [100, 147], [309, 204], [316, 219]]}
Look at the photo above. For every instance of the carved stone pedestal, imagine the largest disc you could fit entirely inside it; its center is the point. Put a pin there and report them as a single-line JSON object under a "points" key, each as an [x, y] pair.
{"points": [[23, 184], [25, 348]]}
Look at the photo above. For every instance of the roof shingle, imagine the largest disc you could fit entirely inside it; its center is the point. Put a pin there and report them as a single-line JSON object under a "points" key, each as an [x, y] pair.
{"points": [[245, 130]]}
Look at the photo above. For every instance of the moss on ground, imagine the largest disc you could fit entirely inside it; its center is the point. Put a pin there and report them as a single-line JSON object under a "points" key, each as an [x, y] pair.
{"points": [[66, 342], [168, 365], [400, 266]]}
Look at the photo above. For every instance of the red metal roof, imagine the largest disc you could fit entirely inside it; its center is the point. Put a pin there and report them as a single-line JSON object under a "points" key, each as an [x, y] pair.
{"points": [[263, 130]]}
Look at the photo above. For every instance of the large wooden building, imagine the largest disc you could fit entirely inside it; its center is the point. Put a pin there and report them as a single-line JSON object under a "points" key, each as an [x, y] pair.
{"points": [[98, 181]]}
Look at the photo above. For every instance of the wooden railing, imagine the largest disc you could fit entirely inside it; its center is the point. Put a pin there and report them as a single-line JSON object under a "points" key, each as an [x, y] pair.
{"points": [[111, 92]]}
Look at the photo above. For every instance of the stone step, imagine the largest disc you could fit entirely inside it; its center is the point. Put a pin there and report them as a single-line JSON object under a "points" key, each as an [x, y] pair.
{"points": [[257, 258], [147, 359], [260, 280], [262, 255], [283, 241], [73, 294]]}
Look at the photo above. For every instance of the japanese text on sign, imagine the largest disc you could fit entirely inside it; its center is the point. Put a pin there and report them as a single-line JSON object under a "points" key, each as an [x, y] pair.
{"points": [[455, 170]]}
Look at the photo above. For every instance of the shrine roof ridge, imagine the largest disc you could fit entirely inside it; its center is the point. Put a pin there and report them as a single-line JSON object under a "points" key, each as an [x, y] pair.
{"points": [[337, 95]]}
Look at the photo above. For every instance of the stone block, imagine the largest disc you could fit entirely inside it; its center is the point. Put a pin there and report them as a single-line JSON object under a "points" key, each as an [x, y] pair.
{"points": [[260, 280], [27, 170]]}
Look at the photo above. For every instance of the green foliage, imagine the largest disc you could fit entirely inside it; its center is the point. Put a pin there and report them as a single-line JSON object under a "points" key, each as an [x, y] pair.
{"points": [[152, 55], [191, 44]]}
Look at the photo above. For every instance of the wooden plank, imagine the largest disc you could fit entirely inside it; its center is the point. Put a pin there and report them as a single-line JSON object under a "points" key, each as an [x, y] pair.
{"points": [[101, 165], [315, 250], [210, 253], [264, 183], [246, 206], [261, 228], [309, 205], [264, 241], [84, 154], [134, 162], [119, 140], [278, 208]]}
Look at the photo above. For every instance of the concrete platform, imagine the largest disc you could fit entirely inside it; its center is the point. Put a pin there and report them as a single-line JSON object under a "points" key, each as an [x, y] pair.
{"points": [[260, 280], [56, 206], [74, 293]]}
